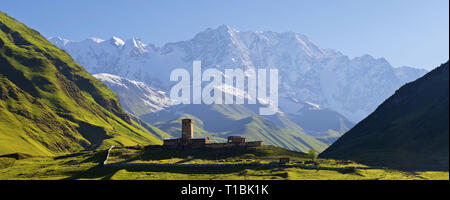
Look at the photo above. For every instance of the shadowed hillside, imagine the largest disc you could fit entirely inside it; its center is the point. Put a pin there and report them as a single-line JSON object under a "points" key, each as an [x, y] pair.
{"points": [[409, 130]]}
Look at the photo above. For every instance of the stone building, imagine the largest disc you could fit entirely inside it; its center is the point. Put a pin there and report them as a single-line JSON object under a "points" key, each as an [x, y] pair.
{"points": [[187, 139]]}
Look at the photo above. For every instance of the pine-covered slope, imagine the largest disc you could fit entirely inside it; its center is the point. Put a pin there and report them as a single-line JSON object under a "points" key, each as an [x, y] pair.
{"points": [[49, 104], [409, 130]]}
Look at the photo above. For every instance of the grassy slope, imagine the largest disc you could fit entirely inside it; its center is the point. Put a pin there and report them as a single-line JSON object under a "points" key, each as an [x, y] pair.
{"points": [[158, 154], [50, 105], [219, 121], [87, 165], [409, 130]]}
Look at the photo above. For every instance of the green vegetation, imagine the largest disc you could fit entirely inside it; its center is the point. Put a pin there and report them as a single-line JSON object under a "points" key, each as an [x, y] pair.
{"points": [[88, 165], [50, 105], [410, 130], [158, 154]]}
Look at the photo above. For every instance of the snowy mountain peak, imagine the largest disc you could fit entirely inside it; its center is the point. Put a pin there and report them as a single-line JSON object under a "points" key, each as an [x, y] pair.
{"points": [[223, 32], [116, 41], [227, 29], [96, 40], [58, 41], [138, 47]]}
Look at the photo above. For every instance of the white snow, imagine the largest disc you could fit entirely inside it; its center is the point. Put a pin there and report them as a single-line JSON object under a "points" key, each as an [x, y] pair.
{"points": [[117, 41], [307, 73], [155, 100]]}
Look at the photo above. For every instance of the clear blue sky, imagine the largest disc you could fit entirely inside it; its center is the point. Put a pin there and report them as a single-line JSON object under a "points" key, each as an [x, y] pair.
{"points": [[405, 32]]}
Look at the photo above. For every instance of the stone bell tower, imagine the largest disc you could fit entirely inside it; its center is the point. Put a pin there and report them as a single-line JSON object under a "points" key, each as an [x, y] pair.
{"points": [[187, 129]]}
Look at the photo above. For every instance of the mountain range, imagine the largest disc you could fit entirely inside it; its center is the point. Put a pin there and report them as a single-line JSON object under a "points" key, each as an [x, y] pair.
{"points": [[353, 87], [410, 130]]}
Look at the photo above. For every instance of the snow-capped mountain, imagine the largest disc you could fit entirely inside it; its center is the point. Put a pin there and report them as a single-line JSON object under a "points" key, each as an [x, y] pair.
{"points": [[136, 97], [307, 73]]}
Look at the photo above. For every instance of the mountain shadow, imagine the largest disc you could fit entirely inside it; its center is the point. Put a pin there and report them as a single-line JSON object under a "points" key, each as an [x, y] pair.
{"points": [[410, 130]]}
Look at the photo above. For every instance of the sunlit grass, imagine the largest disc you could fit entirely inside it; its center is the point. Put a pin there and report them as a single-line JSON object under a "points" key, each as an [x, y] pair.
{"points": [[88, 165]]}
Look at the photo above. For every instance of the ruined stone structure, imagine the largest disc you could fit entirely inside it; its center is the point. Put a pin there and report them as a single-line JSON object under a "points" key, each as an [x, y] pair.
{"points": [[187, 139]]}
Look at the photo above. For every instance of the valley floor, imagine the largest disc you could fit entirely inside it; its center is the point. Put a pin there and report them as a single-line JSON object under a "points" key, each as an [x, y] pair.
{"points": [[249, 164]]}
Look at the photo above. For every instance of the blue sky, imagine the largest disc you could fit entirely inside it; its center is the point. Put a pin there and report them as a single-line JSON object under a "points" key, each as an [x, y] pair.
{"points": [[405, 32]]}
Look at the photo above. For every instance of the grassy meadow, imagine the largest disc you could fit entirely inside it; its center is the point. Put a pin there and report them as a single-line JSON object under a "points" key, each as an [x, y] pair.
{"points": [[88, 165]]}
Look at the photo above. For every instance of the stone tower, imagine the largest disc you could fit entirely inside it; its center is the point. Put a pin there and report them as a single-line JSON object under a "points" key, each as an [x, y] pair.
{"points": [[187, 129]]}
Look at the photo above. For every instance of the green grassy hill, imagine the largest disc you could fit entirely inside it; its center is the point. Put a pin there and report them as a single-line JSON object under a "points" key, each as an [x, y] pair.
{"points": [[50, 105], [409, 130]]}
